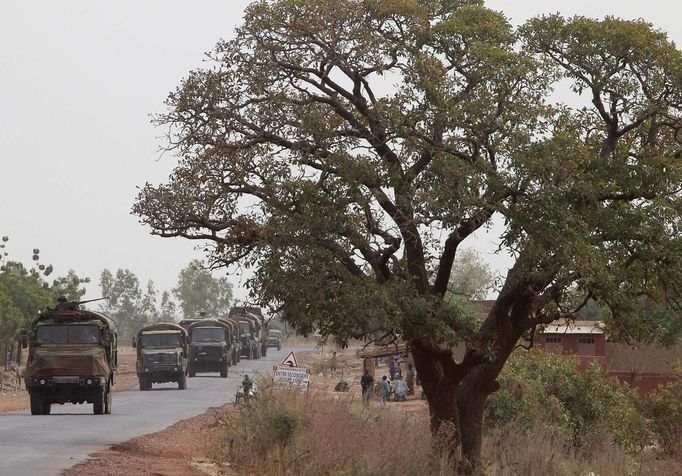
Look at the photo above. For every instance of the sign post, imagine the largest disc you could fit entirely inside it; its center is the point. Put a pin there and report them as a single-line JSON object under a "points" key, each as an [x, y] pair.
{"points": [[289, 374]]}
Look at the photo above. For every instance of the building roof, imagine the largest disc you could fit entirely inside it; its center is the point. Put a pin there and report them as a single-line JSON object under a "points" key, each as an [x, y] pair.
{"points": [[574, 327]]}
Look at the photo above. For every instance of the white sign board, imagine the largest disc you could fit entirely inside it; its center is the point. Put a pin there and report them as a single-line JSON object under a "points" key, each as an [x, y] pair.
{"points": [[291, 377]]}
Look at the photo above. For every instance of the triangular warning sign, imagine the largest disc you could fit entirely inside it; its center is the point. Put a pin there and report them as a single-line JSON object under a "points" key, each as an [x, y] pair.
{"points": [[290, 360]]}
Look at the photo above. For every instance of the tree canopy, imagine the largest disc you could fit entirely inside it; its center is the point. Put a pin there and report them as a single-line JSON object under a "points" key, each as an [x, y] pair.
{"points": [[346, 149], [199, 292]]}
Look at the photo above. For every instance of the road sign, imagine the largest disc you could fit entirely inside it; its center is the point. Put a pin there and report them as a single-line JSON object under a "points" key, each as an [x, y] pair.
{"points": [[291, 377], [290, 360]]}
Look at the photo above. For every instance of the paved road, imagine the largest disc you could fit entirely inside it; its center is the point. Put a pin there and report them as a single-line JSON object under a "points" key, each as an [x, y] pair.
{"points": [[48, 444]]}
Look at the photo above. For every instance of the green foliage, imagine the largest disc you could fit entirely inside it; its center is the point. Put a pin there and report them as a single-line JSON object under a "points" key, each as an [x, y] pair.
{"points": [[24, 291], [471, 276], [129, 305], [548, 388], [198, 291], [664, 409]]}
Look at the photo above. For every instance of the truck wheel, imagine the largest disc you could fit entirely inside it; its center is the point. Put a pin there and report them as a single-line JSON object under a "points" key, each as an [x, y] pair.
{"points": [[99, 403], [223, 371], [279, 346], [250, 356], [182, 381], [192, 373], [47, 408], [143, 382], [234, 358], [36, 404], [265, 350]]}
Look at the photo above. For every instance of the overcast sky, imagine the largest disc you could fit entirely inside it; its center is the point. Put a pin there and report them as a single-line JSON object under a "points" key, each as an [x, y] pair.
{"points": [[78, 81]]}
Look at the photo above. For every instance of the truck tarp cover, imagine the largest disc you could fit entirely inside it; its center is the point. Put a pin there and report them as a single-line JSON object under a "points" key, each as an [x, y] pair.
{"points": [[68, 360]]}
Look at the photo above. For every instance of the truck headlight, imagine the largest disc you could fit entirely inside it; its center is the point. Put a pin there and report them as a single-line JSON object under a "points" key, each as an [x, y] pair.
{"points": [[89, 381], [42, 381]]}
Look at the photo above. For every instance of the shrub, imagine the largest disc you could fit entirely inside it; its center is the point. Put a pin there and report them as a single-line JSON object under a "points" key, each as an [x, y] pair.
{"points": [[543, 387], [664, 409]]}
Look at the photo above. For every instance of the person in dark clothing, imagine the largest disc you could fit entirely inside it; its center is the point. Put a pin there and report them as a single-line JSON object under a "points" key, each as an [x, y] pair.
{"points": [[366, 382]]}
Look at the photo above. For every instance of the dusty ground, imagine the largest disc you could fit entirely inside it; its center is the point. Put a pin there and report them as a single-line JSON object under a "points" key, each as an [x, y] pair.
{"points": [[179, 450], [171, 453], [125, 378]]}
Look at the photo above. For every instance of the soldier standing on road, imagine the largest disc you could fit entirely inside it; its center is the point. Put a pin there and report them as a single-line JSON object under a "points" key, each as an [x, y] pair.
{"points": [[366, 382]]}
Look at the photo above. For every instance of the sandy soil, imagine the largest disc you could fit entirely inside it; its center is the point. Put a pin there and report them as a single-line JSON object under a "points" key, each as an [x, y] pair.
{"points": [[124, 379], [171, 453]]}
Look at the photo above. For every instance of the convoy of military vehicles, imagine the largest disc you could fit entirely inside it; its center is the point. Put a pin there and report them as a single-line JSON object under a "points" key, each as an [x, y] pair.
{"points": [[72, 353]]}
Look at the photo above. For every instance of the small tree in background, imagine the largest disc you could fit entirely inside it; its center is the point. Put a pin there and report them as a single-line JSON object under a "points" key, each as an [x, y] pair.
{"points": [[471, 277], [198, 291]]}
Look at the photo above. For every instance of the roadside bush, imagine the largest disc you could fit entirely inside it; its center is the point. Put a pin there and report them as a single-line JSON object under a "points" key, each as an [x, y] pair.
{"points": [[547, 388], [289, 432], [664, 409]]}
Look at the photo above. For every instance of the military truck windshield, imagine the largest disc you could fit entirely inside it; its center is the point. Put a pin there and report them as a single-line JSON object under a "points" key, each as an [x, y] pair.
{"points": [[74, 334], [161, 340], [245, 327], [208, 334], [275, 333]]}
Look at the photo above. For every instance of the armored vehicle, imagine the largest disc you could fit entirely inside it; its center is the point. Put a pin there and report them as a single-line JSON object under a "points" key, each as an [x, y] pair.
{"points": [[275, 338], [210, 349], [254, 331], [72, 358], [161, 355]]}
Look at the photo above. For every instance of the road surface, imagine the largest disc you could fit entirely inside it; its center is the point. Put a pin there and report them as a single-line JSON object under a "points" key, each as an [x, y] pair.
{"points": [[43, 445]]}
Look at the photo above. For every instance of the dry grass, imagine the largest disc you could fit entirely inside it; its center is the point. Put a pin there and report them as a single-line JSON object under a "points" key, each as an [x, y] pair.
{"points": [[286, 432], [294, 433]]}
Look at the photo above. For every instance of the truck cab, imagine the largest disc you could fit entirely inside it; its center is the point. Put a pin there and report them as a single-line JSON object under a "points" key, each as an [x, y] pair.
{"points": [[210, 347], [161, 355]]}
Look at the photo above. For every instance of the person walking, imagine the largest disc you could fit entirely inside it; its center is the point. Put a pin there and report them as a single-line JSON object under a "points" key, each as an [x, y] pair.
{"points": [[383, 391], [392, 367], [409, 379], [399, 389], [332, 364], [366, 382]]}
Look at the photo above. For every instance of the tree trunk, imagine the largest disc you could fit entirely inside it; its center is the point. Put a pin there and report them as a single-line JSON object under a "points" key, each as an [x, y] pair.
{"points": [[471, 408]]}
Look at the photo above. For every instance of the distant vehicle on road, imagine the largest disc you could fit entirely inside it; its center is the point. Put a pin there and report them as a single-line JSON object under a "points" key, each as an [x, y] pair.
{"points": [[210, 347], [161, 355], [275, 339], [253, 331], [72, 358]]}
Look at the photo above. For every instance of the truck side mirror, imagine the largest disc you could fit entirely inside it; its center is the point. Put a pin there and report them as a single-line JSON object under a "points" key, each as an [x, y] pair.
{"points": [[134, 342], [24, 339]]}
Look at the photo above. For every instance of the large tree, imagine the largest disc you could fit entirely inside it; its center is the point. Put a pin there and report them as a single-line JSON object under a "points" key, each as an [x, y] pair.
{"points": [[346, 148]]}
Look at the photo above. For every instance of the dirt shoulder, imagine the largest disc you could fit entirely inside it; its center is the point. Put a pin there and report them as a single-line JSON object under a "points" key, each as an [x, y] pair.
{"points": [[125, 378], [178, 450]]}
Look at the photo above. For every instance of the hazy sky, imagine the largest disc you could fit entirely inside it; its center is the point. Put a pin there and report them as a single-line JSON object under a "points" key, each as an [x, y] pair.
{"points": [[78, 81]]}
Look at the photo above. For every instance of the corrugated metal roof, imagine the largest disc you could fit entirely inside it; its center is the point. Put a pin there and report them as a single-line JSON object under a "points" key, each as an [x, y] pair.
{"points": [[575, 327]]}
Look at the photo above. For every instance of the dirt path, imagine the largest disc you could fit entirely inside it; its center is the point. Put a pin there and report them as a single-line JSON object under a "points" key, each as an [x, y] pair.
{"points": [[125, 378]]}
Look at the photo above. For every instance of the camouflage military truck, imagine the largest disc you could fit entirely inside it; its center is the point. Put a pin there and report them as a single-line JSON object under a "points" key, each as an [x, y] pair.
{"points": [[234, 333], [210, 347], [257, 330], [161, 355], [275, 338], [72, 358]]}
